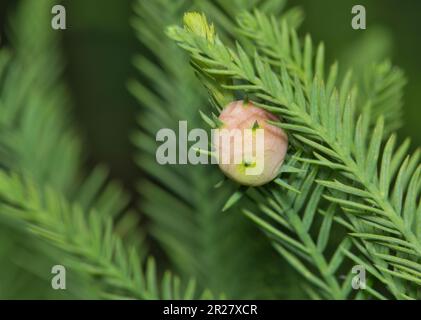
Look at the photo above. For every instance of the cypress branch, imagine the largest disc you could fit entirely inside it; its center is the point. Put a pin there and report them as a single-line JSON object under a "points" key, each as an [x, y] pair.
{"points": [[89, 240], [323, 120]]}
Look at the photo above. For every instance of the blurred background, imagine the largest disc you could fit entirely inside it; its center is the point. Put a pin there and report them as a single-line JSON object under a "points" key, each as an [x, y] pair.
{"points": [[99, 45]]}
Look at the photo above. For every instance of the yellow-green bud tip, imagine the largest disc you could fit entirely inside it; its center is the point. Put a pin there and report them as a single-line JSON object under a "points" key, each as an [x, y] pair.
{"points": [[197, 23]]}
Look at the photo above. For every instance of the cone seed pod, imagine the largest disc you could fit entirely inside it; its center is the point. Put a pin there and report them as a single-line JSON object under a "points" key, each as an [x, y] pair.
{"points": [[255, 161]]}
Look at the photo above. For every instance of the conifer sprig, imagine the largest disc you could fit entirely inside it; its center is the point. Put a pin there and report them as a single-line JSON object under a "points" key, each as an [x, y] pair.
{"points": [[378, 90], [36, 121], [323, 118], [288, 219], [89, 240], [92, 233], [185, 221]]}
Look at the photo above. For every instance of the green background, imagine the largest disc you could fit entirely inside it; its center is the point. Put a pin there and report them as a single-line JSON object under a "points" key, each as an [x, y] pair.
{"points": [[99, 45]]}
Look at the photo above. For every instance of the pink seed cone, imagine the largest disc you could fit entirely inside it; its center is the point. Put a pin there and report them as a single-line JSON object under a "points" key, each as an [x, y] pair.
{"points": [[240, 115]]}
